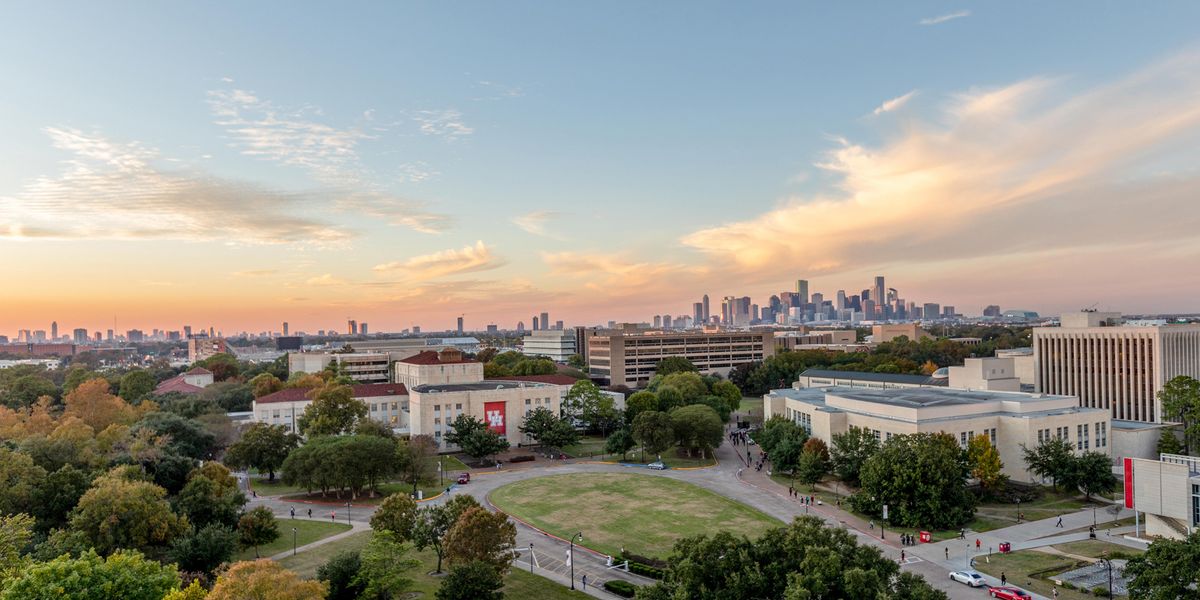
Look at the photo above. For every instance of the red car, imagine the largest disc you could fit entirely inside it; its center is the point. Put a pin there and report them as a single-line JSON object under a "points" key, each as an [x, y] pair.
{"points": [[1009, 593], [465, 478]]}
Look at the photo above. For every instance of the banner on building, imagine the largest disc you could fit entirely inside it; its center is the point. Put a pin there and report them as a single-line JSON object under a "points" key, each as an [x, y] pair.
{"points": [[494, 415], [1128, 483]]}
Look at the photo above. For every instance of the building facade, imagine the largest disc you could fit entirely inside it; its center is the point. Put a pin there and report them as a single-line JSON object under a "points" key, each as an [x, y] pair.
{"points": [[386, 403], [556, 344], [1110, 365], [629, 356]]}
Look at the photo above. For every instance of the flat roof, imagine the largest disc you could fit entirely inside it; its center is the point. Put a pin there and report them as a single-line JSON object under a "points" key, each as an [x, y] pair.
{"points": [[922, 397], [877, 377], [480, 386]]}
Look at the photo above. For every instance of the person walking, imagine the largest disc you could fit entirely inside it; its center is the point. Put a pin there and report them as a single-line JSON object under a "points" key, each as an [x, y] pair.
{"points": [[1054, 593], [293, 511], [310, 513], [1059, 523], [333, 515], [1003, 578], [977, 543], [585, 582], [947, 553], [901, 557]]}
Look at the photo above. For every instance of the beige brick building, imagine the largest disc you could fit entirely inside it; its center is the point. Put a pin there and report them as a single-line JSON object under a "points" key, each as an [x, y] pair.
{"points": [[628, 357]]}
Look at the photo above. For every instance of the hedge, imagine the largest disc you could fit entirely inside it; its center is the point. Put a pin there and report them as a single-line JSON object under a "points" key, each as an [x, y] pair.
{"points": [[621, 588]]}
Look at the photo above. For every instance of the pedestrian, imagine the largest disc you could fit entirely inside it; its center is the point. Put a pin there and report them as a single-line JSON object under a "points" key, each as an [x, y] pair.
{"points": [[871, 524], [1003, 578], [1059, 523], [310, 513], [332, 515], [901, 556], [585, 582], [1055, 592], [947, 553], [293, 511], [977, 543], [254, 494]]}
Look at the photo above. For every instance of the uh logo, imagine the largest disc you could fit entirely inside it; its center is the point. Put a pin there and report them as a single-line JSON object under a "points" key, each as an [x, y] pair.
{"points": [[495, 418]]}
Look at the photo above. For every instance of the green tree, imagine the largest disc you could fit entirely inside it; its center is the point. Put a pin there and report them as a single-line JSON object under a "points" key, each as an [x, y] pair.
{"points": [[463, 426], [985, 462], [814, 461], [851, 450], [77, 375], [475, 580], [1052, 458], [16, 532], [264, 384], [194, 591], [777, 429], [185, 436], [396, 514], [136, 385], [433, 523], [475, 438], [638, 403], [223, 366], [24, 391], [586, 402], [697, 427], [538, 423], [118, 513], [729, 392], [205, 549], [257, 527], [340, 573], [787, 454], [674, 364], [333, 411], [620, 442], [1180, 398], [690, 385], [204, 502], [263, 447], [347, 462], [1168, 443], [383, 569], [1091, 472], [922, 478], [669, 398], [1168, 570], [576, 360], [481, 535], [125, 575], [654, 430], [535, 366], [414, 459], [231, 396], [20, 479]]}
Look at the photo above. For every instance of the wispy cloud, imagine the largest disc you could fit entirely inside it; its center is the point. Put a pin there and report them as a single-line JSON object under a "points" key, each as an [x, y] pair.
{"points": [[256, 273], [536, 222], [946, 17], [327, 279], [894, 104], [113, 190], [447, 123], [469, 259]]}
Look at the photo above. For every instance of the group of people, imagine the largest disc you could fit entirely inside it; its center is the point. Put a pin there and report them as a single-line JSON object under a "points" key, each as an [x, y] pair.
{"points": [[795, 494], [739, 436], [908, 539]]}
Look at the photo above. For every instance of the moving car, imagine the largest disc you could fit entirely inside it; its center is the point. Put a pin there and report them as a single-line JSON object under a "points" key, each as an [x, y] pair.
{"points": [[657, 465], [970, 578], [1008, 593], [465, 478]]}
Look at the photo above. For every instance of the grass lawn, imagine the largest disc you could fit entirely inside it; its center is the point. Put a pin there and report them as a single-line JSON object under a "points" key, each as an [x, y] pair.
{"points": [[517, 584], [589, 446], [642, 513], [1019, 566], [1096, 548], [306, 533], [753, 407]]}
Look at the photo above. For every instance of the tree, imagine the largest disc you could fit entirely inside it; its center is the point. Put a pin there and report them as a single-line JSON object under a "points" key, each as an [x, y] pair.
{"points": [[19, 480], [264, 579], [586, 402], [475, 438], [1168, 443], [851, 450], [433, 523], [535, 366], [639, 403], [333, 411], [697, 427], [729, 392], [463, 426], [347, 462], [94, 405], [194, 591], [396, 514], [414, 459], [814, 461], [1169, 569], [620, 442], [787, 454], [669, 398], [186, 437], [123, 574], [480, 535], [25, 390], [690, 385], [231, 396], [538, 423], [674, 364], [1180, 398], [654, 430], [383, 567], [576, 360], [16, 532], [985, 462], [264, 384], [205, 501], [1091, 472], [119, 513], [340, 573], [922, 478], [263, 447], [1052, 458], [777, 429], [475, 580], [136, 385], [223, 366], [257, 527], [205, 549]]}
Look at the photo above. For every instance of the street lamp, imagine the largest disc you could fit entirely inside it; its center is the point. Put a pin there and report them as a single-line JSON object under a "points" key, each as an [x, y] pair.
{"points": [[530, 557], [571, 556], [441, 479], [1108, 563], [1018, 510], [1093, 516], [348, 513], [293, 541]]}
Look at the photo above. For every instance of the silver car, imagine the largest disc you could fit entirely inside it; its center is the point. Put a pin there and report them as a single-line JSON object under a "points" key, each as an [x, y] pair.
{"points": [[970, 578], [657, 465]]}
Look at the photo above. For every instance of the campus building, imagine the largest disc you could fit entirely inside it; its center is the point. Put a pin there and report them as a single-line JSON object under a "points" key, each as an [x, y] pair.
{"points": [[1111, 365], [386, 403], [891, 331], [818, 378], [1166, 490], [628, 356], [555, 344], [202, 347], [816, 339], [192, 382], [1008, 419]]}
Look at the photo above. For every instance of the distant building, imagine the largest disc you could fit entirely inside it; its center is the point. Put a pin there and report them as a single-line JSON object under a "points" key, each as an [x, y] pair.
{"points": [[887, 333], [460, 325], [1026, 315], [202, 347], [1166, 489], [289, 343], [192, 382], [991, 310], [80, 336], [797, 340], [557, 345], [629, 356], [820, 378]]}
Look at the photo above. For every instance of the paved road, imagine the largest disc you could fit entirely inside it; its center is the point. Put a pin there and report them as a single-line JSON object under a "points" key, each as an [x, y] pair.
{"points": [[732, 479]]}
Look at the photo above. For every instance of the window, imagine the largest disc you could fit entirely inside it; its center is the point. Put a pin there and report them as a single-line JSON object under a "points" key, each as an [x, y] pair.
{"points": [[394, 406], [374, 407], [437, 421], [1195, 505], [1086, 437], [527, 402], [875, 432], [275, 414], [437, 408], [458, 406], [437, 434], [992, 436], [889, 435], [1101, 435], [1079, 437], [962, 439]]}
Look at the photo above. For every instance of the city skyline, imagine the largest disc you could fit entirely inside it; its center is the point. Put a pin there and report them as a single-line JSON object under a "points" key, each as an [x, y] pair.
{"points": [[429, 162]]}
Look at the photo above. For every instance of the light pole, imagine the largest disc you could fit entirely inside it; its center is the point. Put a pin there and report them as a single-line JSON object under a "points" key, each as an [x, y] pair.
{"points": [[530, 557], [441, 479], [571, 557], [1093, 516], [1108, 563], [1018, 510], [348, 513], [293, 541]]}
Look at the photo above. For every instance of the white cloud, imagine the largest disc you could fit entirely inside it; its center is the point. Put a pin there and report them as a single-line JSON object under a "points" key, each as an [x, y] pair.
{"points": [[894, 103], [946, 17], [446, 123], [469, 259], [535, 222], [327, 279]]}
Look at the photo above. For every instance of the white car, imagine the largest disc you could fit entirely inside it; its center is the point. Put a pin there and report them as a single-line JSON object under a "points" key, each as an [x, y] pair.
{"points": [[657, 466], [970, 578]]}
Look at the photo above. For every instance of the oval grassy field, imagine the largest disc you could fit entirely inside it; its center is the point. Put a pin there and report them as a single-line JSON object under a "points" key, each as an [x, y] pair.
{"points": [[645, 514]]}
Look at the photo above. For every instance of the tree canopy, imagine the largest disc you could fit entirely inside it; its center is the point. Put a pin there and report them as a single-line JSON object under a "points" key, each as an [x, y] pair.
{"points": [[922, 478]]}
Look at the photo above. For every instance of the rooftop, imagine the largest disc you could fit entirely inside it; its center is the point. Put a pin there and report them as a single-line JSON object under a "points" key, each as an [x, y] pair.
{"points": [[926, 397], [877, 377], [361, 390], [555, 379], [482, 386], [431, 357]]}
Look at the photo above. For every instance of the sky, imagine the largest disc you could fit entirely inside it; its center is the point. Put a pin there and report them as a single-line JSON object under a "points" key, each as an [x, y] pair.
{"points": [[243, 164]]}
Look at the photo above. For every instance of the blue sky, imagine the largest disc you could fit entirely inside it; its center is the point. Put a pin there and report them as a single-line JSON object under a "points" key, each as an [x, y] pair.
{"points": [[588, 159]]}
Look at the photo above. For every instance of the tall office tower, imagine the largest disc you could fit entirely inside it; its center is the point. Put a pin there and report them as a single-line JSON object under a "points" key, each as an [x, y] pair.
{"points": [[802, 290], [754, 312], [879, 292], [109, 335], [212, 332], [697, 312], [892, 294], [818, 298], [916, 312], [666, 321], [865, 295], [416, 329], [840, 302], [54, 330], [912, 309], [932, 310], [854, 303], [352, 327], [789, 299], [460, 324], [285, 329], [536, 323], [187, 331], [992, 310], [362, 328], [948, 312], [707, 315], [97, 337], [520, 326], [558, 325], [39, 335], [657, 321], [1107, 364], [545, 320], [81, 336], [868, 309]]}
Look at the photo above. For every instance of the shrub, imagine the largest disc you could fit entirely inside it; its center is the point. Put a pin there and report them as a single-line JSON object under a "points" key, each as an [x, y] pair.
{"points": [[522, 458], [621, 588], [645, 560], [645, 570], [1068, 585], [1100, 591]]}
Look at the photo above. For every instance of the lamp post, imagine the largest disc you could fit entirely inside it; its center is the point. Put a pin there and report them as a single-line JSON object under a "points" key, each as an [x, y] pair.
{"points": [[1018, 510], [530, 557], [293, 541], [1108, 563], [441, 479], [571, 556], [1093, 516], [348, 513]]}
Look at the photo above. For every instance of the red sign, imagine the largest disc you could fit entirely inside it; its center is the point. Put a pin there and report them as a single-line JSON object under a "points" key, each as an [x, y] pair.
{"points": [[1128, 483], [493, 414]]}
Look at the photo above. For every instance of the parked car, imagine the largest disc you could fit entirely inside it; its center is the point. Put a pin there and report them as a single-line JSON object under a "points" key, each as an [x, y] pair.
{"points": [[658, 465], [1008, 593], [970, 578], [464, 479]]}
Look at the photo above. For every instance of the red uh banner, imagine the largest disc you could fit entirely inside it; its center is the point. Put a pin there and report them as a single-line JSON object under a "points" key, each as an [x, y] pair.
{"points": [[493, 413], [1128, 483]]}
